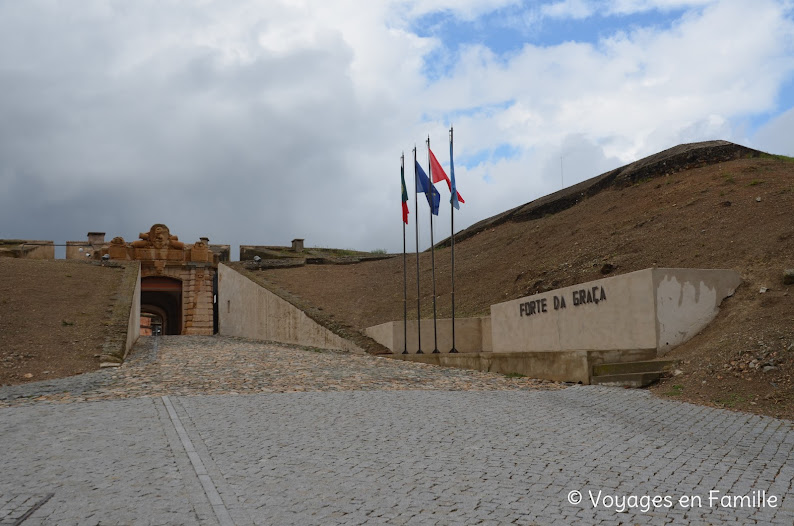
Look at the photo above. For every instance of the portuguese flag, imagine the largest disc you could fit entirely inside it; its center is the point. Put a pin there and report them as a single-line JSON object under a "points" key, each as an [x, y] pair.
{"points": [[405, 195]]}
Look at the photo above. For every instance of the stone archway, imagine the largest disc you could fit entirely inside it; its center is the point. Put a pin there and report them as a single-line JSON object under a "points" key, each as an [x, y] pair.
{"points": [[176, 279], [162, 297]]}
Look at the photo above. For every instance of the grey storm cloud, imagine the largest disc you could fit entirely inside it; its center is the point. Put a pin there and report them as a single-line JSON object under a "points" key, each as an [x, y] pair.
{"points": [[260, 121], [252, 150]]}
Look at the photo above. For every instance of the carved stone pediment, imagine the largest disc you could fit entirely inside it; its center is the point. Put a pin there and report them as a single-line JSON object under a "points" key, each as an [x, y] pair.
{"points": [[159, 245], [158, 237]]}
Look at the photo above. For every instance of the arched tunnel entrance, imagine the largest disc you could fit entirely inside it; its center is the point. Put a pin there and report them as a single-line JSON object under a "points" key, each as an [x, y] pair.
{"points": [[161, 300]]}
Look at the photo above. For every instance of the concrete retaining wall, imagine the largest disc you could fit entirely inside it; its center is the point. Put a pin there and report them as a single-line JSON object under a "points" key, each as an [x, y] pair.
{"points": [[561, 366], [687, 300], [124, 324], [248, 310], [651, 308], [134, 323], [471, 335]]}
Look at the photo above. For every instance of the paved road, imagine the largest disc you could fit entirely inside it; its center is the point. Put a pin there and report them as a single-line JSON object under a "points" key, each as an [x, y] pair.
{"points": [[504, 453]]}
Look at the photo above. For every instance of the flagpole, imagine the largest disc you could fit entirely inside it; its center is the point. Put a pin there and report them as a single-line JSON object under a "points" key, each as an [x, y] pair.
{"points": [[432, 249], [452, 237], [405, 264], [416, 222]]}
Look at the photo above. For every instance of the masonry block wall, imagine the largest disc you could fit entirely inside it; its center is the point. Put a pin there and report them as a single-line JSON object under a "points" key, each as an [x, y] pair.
{"points": [[197, 300]]}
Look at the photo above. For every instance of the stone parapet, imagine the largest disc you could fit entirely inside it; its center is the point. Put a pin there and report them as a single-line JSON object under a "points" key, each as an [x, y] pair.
{"points": [[27, 249]]}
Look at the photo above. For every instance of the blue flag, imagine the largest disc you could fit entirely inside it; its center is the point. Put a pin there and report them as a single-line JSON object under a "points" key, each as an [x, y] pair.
{"points": [[423, 184], [453, 190]]}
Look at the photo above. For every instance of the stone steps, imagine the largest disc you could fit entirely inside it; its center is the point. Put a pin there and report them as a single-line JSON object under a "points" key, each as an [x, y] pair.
{"points": [[630, 374]]}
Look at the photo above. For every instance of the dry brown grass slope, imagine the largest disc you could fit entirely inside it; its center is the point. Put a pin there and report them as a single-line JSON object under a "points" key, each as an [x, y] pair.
{"points": [[734, 214], [56, 317]]}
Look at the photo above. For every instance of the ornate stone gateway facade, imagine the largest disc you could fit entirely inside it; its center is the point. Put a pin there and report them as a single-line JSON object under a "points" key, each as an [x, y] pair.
{"points": [[178, 281]]}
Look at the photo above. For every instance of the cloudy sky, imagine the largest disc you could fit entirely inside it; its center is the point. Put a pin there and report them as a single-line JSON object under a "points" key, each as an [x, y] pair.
{"points": [[256, 122]]}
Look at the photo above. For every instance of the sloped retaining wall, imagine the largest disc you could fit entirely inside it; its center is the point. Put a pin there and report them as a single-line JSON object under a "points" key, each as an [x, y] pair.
{"points": [[248, 310], [134, 323], [125, 320]]}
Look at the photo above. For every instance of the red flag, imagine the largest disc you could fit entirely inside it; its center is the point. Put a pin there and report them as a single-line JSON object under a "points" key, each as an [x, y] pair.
{"points": [[405, 195], [438, 174]]}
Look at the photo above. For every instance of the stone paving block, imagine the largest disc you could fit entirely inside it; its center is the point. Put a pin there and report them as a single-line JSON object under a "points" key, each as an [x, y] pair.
{"points": [[374, 443]]}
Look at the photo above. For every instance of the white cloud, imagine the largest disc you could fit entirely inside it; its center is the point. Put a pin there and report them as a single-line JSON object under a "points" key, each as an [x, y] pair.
{"points": [[576, 9], [257, 122], [624, 7], [582, 9], [634, 84], [775, 135]]}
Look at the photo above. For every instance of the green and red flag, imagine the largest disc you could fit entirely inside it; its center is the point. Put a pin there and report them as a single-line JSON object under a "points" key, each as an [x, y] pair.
{"points": [[405, 195]]}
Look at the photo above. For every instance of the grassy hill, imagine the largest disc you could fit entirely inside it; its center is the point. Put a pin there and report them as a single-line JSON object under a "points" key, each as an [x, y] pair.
{"points": [[708, 205]]}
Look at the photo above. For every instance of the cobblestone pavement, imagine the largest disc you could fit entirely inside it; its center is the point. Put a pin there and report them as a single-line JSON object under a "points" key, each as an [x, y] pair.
{"points": [[196, 365], [411, 446]]}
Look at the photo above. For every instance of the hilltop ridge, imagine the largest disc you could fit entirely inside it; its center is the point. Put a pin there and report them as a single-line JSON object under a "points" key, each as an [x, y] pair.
{"points": [[673, 160]]}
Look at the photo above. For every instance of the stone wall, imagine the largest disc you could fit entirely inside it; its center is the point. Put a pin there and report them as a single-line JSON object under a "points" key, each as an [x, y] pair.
{"points": [[79, 249], [94, 243], [197, 294], [27, 249], [248, 310]]}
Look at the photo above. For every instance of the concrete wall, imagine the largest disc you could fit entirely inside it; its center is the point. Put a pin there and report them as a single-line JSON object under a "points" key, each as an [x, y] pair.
{"points": [[648, 309], [687, 300], [471, 335], [248, 310], [558, 320], [124, 320], [560, 366], [134, 324]]}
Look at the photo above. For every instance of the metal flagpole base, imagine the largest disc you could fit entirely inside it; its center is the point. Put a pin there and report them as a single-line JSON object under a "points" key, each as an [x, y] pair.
{"points": [[404, 352], [453, 351], [419, 351], [435, 351]]}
